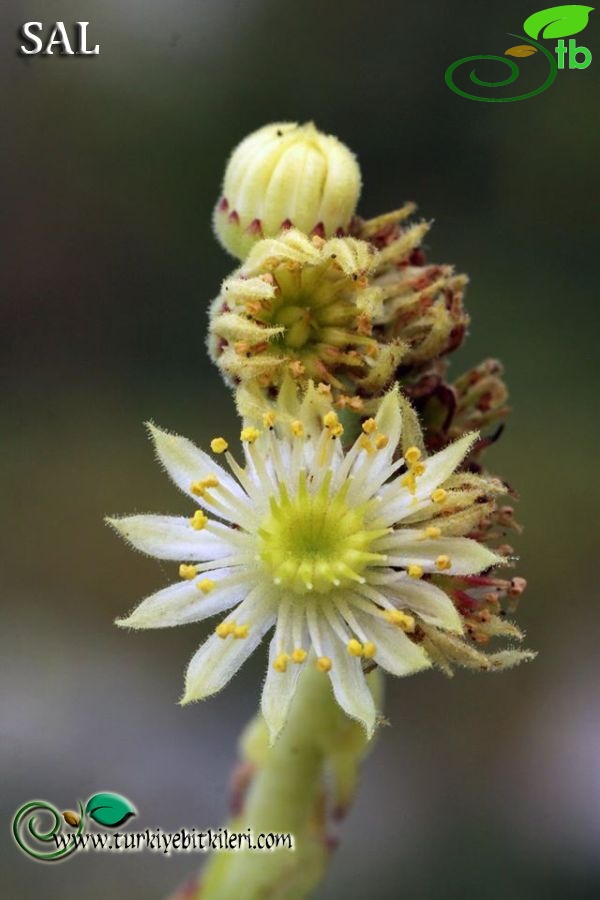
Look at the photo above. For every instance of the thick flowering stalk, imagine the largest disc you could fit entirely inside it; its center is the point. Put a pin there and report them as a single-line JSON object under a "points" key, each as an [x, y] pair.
{"points": [[352, 556], [360, 529]]}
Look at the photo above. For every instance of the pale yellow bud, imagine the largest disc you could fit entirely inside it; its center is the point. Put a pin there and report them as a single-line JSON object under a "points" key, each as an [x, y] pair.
{"points": [[286, 175]]}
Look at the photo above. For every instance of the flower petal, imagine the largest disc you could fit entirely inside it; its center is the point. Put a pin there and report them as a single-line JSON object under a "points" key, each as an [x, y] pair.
{"points": [[428, 601], [347, 677], [467, 557], [186, 463], [184, 602], [440, 466], [172, 537], [279, 687], [395, 652], [218, 659]]}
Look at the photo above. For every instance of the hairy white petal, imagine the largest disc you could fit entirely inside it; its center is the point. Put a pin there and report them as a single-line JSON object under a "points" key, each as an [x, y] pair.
{"points": [[440, 466], [186, 463], [185, 602], [428, 601], [347, 679], [467, 557], [395, 652], [218, 659], [279, 687], [172, 537]]}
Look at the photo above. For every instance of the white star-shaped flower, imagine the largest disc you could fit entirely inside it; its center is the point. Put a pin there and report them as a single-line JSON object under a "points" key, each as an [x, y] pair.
{"points": [[345, 553]]}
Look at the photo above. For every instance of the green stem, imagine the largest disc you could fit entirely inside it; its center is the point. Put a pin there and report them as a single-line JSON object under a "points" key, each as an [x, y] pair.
{"points": [[287, 794]]}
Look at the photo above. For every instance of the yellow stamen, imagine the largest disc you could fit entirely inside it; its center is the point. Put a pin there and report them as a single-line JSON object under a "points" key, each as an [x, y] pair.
{"points": [[249, 434], [369, 650], [439, 495], [432, 531], [299, 655], [443, 562], [329, 420], [280, 662], [415, 571], [324, 664], [269, 419], [241, 631], [354, 647], [199, 488], [199, 520], [219, 445], [369, 426], [404, 621], [365, 444], [297, 428], [381, 441], [409, 482], [224, 629], [418, 469], [206, 585], [186, 571], [337, 430], [324, 388], [412, 455]]}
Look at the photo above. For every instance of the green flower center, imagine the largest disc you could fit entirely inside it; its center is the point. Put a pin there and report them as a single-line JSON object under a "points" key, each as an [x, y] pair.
{"points": [[316, 542]]}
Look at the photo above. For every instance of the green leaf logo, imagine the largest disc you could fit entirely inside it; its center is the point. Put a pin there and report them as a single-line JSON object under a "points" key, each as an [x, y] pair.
{"points": [[109, 810], [557, 21]]}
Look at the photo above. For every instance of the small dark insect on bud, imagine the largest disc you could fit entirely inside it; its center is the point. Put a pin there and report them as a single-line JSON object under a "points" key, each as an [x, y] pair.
{"points": [[71, 818]]}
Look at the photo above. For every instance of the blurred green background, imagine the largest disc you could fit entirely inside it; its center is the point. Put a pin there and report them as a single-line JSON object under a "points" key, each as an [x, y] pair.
{"points": [[485, 786]]}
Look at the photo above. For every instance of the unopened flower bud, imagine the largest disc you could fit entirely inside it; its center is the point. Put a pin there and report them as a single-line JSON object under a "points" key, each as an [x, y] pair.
{"points": [[286, 175]]}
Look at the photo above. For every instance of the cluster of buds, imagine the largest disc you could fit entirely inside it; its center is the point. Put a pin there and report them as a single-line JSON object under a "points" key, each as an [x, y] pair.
{"points": [[476, 401], [321, 293]]}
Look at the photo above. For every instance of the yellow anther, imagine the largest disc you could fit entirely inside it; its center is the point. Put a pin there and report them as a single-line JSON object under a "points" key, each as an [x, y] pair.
{"points": [[365, 444], [329, 420], [409, 481], [369, 650], [269, 419], [369, 426], [199, 488], [415, 571], [443, 562], [412, 455], [299, 655], [324, 388], [381, 441], [224, 629], [337, 430], [324, 664], [354, 647], [280, 662], [439, 495], [404, 621], [206, 585], [249, 434], [418, 469], [186, 571], [432, 531], [219, 445], [199, 520], [241, 631], [297, 428]]}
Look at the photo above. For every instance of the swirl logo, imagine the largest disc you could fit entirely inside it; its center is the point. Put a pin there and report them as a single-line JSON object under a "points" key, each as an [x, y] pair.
{"points": [[37, 825], [555, 22]]}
